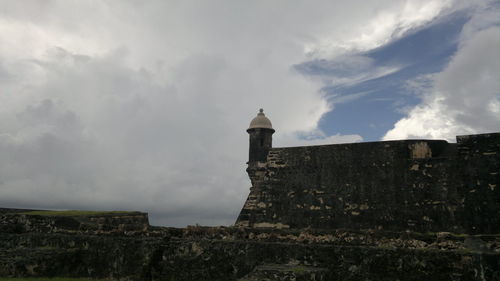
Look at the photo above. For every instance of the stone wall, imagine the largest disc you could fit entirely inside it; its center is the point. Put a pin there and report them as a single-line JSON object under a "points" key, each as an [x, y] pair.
{"points": [[18, 220], [418, 185], [480, 176], [229, 253]]}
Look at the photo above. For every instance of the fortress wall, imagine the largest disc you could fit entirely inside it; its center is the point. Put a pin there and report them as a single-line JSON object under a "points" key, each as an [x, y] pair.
{"points": [[418, 185], [394, 185], [480, 173]]}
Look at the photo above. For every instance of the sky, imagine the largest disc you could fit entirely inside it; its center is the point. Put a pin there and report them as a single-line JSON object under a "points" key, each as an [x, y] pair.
{"points": [[144, 105]]}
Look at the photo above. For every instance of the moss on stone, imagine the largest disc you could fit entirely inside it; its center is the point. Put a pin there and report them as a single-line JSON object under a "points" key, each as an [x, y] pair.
{"points": [[73, 213], [298, 269]]}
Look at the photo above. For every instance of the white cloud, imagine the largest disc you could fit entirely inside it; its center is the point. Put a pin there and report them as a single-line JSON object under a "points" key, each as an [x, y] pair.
{"points": [[382, 26], [144, 105], [465, 96], [345, 70]]}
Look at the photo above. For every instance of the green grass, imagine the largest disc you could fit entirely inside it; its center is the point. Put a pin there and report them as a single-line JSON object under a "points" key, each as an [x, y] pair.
{"points": [[299, 269], [72, 213], [47, 279]]}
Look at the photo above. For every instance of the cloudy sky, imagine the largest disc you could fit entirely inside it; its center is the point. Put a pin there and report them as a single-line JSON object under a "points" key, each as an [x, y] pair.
{"points": [[143, 105]]}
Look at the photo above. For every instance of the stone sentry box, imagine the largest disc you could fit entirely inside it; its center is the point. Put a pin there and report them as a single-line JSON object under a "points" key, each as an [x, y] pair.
{"points": [[260, 133], [418, 185]]}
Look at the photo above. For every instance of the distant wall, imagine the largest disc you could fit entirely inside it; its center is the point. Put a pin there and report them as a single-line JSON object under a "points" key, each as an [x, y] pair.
{"points": [[420, 185], [17, 221]]}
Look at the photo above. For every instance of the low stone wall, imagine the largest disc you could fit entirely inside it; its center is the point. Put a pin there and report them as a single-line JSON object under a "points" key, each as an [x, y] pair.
{"points": [[231, 253], [18, 220]]}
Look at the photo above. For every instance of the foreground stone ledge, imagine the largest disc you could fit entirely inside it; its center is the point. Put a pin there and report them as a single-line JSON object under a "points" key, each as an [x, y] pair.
{"points": [[239, 253], [287, 272], [191, 257]]}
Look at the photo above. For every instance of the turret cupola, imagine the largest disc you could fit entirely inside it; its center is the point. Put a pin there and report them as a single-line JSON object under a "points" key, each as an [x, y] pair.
{"points": [[261, 121]]}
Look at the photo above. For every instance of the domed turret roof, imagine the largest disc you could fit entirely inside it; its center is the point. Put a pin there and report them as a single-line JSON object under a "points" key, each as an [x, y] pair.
{"points": [[261, 121]]}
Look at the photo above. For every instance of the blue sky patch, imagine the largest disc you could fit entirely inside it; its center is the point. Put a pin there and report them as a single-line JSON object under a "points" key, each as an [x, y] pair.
{"points": [[371, 90]]}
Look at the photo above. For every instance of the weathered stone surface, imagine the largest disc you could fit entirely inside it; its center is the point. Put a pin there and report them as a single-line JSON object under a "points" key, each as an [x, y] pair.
{"points": [[479, 156], [417, 185], [230, 253], [287, 272]]}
